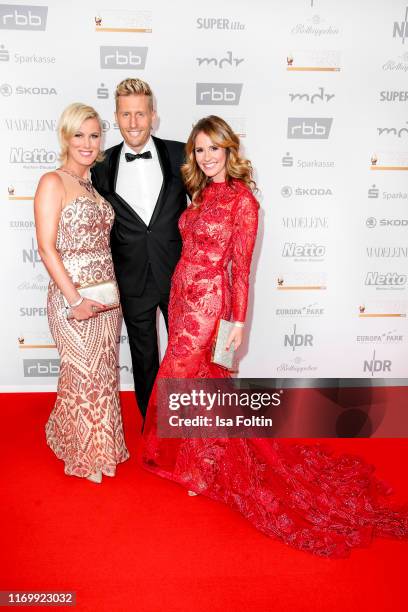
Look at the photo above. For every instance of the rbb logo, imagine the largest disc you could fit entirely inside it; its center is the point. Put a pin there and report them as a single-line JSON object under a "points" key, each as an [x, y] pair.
{"points": [[309, 127], [132, 58], [41, 368], [227, 94], [296, 340], [23, 17], [375, 366]]}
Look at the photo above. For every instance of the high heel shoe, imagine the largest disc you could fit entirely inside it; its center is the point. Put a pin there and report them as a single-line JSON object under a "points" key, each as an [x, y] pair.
{"points": [[95, 477]]}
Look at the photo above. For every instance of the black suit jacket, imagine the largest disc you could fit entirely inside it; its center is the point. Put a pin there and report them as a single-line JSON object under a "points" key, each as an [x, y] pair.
{"points": [[134, 244]]}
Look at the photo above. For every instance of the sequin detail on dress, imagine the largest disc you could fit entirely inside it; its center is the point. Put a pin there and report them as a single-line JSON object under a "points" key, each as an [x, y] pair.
{"points": [[301, 494], [85, 427]]}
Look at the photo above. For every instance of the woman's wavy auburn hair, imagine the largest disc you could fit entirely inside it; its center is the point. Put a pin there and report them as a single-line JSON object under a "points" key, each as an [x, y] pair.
{"points": [[70, 122], [221, 135]]}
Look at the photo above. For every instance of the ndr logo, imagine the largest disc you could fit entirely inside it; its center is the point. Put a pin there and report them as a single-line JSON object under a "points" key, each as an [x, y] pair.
{"points": [[218, 93], [309, 127], [132, 58], [401, 27], [377, 365], [296, 340], [23, 17], [40, 368], [31, 255]]}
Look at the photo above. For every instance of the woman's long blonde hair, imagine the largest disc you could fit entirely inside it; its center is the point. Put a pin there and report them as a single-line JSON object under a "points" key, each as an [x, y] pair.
{"points": [[221, 135], [70, 121]]}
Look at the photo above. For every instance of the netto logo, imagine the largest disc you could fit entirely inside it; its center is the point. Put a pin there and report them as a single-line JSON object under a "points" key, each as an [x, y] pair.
{"points": [[41, 368], [314, 128], [291, 249], [130, 58], [375, 366], [295, 340], [226, 94], [23, 17], [4, 54], [218, 23], [373, 192], [390, 279], [229, 60], [323, 97], [31, 255], [18, 155], [401, 27]]}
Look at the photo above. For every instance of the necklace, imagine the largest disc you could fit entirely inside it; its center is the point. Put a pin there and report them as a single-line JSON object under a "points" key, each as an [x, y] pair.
{"points": [[85, 183]]}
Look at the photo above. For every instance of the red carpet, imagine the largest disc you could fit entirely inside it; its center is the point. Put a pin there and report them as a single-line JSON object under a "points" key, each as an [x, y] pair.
{"points": [[137, 542]]}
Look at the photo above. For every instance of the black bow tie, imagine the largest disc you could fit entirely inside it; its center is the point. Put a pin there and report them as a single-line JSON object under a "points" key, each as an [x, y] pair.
{"points": [[131, 156]]}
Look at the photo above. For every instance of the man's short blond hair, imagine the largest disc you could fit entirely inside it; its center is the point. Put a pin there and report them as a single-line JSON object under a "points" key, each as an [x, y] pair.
{"points": [[134, 87]]}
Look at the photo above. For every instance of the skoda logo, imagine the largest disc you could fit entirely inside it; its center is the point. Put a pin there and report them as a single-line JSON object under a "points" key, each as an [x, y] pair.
{"points": [[6, 89], [371, 222], [286, 191]]}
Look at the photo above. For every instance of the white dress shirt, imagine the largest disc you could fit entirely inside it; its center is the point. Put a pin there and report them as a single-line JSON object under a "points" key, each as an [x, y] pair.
{"points": [[139, 181]]}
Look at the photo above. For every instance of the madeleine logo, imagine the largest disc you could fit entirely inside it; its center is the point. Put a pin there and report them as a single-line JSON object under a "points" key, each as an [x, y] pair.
{"points": [[312, 128], [23, 17], [226, 94], [123, 21], [129, 58]]}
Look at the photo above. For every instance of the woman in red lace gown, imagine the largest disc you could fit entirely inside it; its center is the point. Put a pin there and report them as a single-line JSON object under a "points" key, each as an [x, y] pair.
{"points": [[301, 494]]}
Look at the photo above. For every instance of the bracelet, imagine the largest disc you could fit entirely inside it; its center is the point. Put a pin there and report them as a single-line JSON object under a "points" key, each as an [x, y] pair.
{"points": [[77, 303], [239, 324]]}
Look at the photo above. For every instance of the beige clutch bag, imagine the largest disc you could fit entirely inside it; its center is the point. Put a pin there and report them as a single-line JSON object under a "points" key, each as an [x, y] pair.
{"points": [[220, 356], [105, 292]]}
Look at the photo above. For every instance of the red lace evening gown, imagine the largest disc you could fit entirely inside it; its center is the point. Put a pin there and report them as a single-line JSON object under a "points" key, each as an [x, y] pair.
{"points": [[299, 493]]}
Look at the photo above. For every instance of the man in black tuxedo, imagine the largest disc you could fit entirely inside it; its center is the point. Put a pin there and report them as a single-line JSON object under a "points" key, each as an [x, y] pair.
{"points": [[141, 179]]}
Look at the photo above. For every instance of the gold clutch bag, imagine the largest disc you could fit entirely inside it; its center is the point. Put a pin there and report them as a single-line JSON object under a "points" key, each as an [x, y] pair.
{"points": [[105, 292], [220, 356]]}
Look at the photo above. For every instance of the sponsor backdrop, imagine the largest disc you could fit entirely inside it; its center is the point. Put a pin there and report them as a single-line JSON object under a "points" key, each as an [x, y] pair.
{"points": [[317, 90]]}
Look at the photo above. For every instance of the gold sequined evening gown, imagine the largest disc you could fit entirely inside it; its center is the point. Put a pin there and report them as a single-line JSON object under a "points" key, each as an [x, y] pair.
{"points": [[85, 427]]}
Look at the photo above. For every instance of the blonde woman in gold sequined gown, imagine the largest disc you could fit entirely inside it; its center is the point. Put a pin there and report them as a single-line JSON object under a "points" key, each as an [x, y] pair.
{"points": [[73, 226]]}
